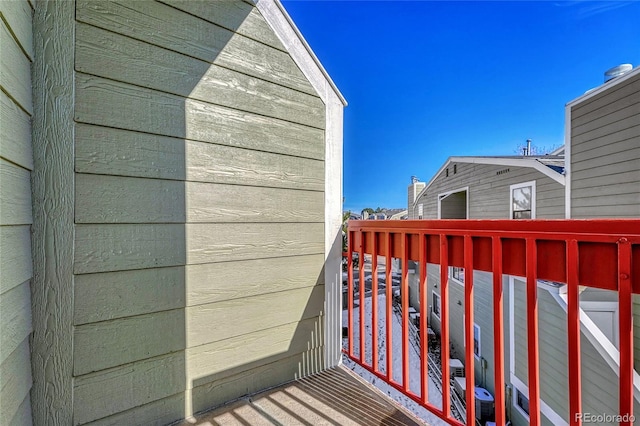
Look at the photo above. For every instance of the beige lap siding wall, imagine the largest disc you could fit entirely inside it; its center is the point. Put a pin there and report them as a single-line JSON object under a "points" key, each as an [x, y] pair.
{"points": [[200, 210], [16, 165]]}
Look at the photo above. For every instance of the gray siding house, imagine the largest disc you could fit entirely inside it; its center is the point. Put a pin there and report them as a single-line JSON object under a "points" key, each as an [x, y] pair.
{"points": [[169, 172], [599, 176]]}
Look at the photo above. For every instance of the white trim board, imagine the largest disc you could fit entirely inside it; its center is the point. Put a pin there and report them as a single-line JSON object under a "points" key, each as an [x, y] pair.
{"points": [[281, 23], [444, 195], [548, 412], [276, 15], [603, 87]]}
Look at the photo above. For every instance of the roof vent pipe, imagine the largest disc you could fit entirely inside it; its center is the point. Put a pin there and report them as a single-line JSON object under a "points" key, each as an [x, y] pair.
{"points": [[617, 71]]}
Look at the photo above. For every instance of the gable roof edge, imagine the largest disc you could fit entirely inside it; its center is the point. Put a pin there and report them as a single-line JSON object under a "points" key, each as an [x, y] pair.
{"points": [[496, 161], [281, 23]]}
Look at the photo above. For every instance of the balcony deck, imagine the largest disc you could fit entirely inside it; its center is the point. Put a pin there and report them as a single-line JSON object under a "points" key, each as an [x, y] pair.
{"points": [[333, 397]]}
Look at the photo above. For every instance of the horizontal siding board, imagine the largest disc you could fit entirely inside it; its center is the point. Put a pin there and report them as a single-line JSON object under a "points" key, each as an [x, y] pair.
{"points": [[604, 136], [604, 146], [211, 202], [111, 295], [606, 98], [103, 150], [18, 14], [172, 29], [15, 70], [619, 118], [609, 128], [103, 248], [610, 106], [110, 55], [240, 317], [623, 189], [599, 212], [15, 381], [207, 243], [218, 392], [585, 179], [15, 319], [216, 282], [111, 199], [104, 393], [230, 356], [630, 165], [612, 200], [608, 162], [15, 133], [240, 17], [15, 195], [114, 104], [15, 258], [157, 413], [108, 344], [224, 164]]}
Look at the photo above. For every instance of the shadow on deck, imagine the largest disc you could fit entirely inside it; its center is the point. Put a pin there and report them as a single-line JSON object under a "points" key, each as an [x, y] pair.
{"points": [[334, 397]]}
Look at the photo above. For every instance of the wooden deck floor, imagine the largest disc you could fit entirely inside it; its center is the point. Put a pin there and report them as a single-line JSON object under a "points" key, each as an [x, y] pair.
{"points": [[334, 397]]}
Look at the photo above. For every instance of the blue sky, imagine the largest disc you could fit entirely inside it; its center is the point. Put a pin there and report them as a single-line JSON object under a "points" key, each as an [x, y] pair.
{"points": [[426, 80]]}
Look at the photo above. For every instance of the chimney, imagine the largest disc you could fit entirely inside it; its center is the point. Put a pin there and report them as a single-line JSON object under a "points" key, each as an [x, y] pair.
{"points": [[528, 151]]}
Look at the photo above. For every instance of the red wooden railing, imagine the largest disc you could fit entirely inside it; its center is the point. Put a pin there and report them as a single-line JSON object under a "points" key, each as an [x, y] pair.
{"points": [[602, 254]]}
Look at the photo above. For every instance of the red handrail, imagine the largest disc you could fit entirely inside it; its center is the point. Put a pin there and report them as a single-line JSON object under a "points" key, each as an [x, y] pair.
{"points": [[602, 254]]}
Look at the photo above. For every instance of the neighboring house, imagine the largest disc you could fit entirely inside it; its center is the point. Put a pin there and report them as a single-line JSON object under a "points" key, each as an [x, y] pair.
{"points": [[600, 177], [169, 172], [401, 215]]}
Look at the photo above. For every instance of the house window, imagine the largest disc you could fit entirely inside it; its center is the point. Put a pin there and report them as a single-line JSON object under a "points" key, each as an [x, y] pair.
{"points": [[523, 200], [476, 341], [455, 169], [521, 402], [446, 172], [435, 307], [457, 274]]}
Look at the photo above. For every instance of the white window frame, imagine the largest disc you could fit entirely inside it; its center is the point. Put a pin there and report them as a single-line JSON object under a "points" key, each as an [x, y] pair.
{"points": [[516, 391], [439, 305], [479, 354], [532, 184], [454, 279], [444, 195]]}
